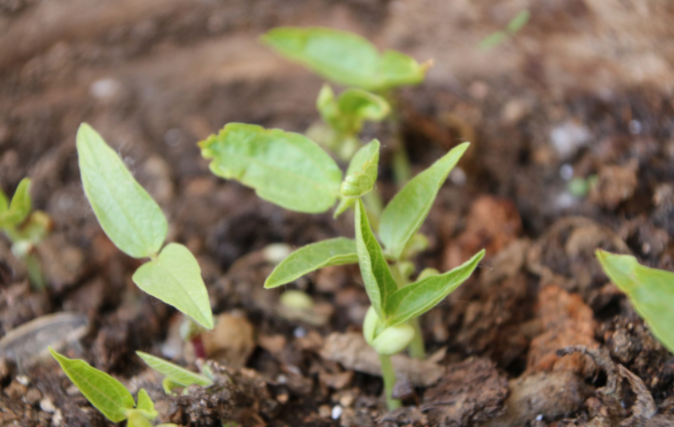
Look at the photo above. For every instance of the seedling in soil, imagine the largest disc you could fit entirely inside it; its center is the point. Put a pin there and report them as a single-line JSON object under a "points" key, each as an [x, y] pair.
{"points": [[108, 395], [293, 172], [136, 225], [513, 27], [176, 376], [650, 290], [25, 229], [350, 60]]}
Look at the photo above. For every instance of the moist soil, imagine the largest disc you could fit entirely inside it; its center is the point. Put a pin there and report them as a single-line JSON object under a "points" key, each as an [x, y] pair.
{"points": [[572, 127]]}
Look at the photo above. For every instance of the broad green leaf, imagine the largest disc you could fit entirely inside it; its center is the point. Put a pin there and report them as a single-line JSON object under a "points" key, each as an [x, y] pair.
{"points": [[284, 168], [650, 290], [519, 21], [345, 58], [131, 219], [175, 278], [145, 405], [362, 172], [417, 298], [103, 391], [19, 207], [405, 213], [347, 113], [338, 251], [174, 373], [377, 277]]}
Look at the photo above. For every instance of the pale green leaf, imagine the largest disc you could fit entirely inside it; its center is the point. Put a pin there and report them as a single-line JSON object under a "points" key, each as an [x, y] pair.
{"points": [[338, 251], [650, 290], [285, 168], [174, 373], [175, 278], [4, 204], [344, 204], [377, 277], [519, 21], [103, 391], [346, 113], [405, 213], [131, 219], [362, 172], [19, 207], [417, 298], [345, 58], [137, 419], [492, 40], [145, 405]]}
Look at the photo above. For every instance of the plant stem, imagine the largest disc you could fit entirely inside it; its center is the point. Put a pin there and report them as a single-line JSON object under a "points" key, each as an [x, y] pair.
{"points": [[417, 348], [34, 272], [389, 376], [198, 345]]}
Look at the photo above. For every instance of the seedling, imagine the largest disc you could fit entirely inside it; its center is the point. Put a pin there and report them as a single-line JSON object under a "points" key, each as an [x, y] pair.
{"points": [[108, 395], [25, 229], [136, 225], [498, 37], [293, 172], [176, 376], [650, 290], [350, 60]]}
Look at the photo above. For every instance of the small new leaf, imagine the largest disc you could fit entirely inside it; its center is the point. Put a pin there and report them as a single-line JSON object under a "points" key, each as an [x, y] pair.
{"points": [[377, 277], [404, 215], [338, 251], [145, 405], [175, 278], [362, 172], [174, 373], [347, 113], [285, 168], [345, 58], [131, 219], [103, 391], [417, 298], [650, 290], [18, 208]]}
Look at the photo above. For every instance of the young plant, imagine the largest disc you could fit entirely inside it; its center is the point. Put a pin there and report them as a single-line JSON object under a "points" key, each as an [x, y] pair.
{"points": [[498, 37], [25, 229], [136, 225], [350, 60], [650, 290], [175, 376], [108, 395], [293, 172]]}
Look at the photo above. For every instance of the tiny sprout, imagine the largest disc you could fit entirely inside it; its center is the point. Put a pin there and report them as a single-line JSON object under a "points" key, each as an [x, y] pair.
{"points": [[513, 27], [296, 300]]}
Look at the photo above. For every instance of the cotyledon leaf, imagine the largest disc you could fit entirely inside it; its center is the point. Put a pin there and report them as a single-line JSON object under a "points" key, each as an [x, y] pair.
{"points": [[345, 58], [174, 373], [377, 277], [103, 391], [337, 251], [285, 168], [417, 298], [19, 207], [362, 172], [405, 213], [347, 112], [145, 405], [650, 290], [131, 219], [175, 278]]}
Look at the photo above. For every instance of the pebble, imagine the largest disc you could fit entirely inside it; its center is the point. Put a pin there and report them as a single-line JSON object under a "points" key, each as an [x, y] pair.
{"points": [[47, 405], [23, 380], [324, 411], [336, 412], [57, 419], [568, 137], [33, 396]]}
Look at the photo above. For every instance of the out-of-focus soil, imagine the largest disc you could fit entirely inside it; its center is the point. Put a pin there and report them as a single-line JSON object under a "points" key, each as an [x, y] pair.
{"points": [[583, 91]]}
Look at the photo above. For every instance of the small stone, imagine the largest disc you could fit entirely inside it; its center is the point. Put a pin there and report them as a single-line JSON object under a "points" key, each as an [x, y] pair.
{"points": [[57, 419], [23, 379], [324, 411], [337, 412], [72, 390], [47, 405], [15, 390], [282, 398], [346, 400], [33, 396]]}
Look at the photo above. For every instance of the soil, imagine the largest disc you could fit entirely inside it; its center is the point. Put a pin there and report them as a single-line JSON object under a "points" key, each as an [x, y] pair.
{"points": [[583, 90]]}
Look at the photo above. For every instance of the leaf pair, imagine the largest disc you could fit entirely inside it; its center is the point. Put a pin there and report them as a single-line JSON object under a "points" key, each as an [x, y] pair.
{"points": [[176, 376], [346, 113], [15, 212], [650, 290], [345, 58], [395, 306], [137, 226]]}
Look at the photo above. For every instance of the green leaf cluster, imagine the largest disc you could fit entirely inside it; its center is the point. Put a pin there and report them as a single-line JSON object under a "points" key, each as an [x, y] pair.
{"points": [[136, 225], [15, 212], [650, 290], [345, 58], [176, 376], [347, 112]]}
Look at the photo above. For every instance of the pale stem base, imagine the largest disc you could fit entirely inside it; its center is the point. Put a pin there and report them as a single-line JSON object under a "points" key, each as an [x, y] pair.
{"points": [[389, 376]]}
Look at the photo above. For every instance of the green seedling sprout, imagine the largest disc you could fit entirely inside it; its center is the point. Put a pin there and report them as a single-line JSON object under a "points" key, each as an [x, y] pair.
{"points": [[175, 376], [650, 290], [108, 395], [293, 172], [25, 229], [513, 27], [136, 225], [352, 61]]}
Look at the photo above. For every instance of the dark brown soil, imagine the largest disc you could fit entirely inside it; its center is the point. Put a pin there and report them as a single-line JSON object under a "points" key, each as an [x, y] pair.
{"points": [[585, 89]]}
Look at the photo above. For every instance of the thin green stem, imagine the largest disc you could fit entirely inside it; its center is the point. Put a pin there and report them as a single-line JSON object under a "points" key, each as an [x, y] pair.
{"points": [[389, 376], [417, 348], [34, 272]]}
